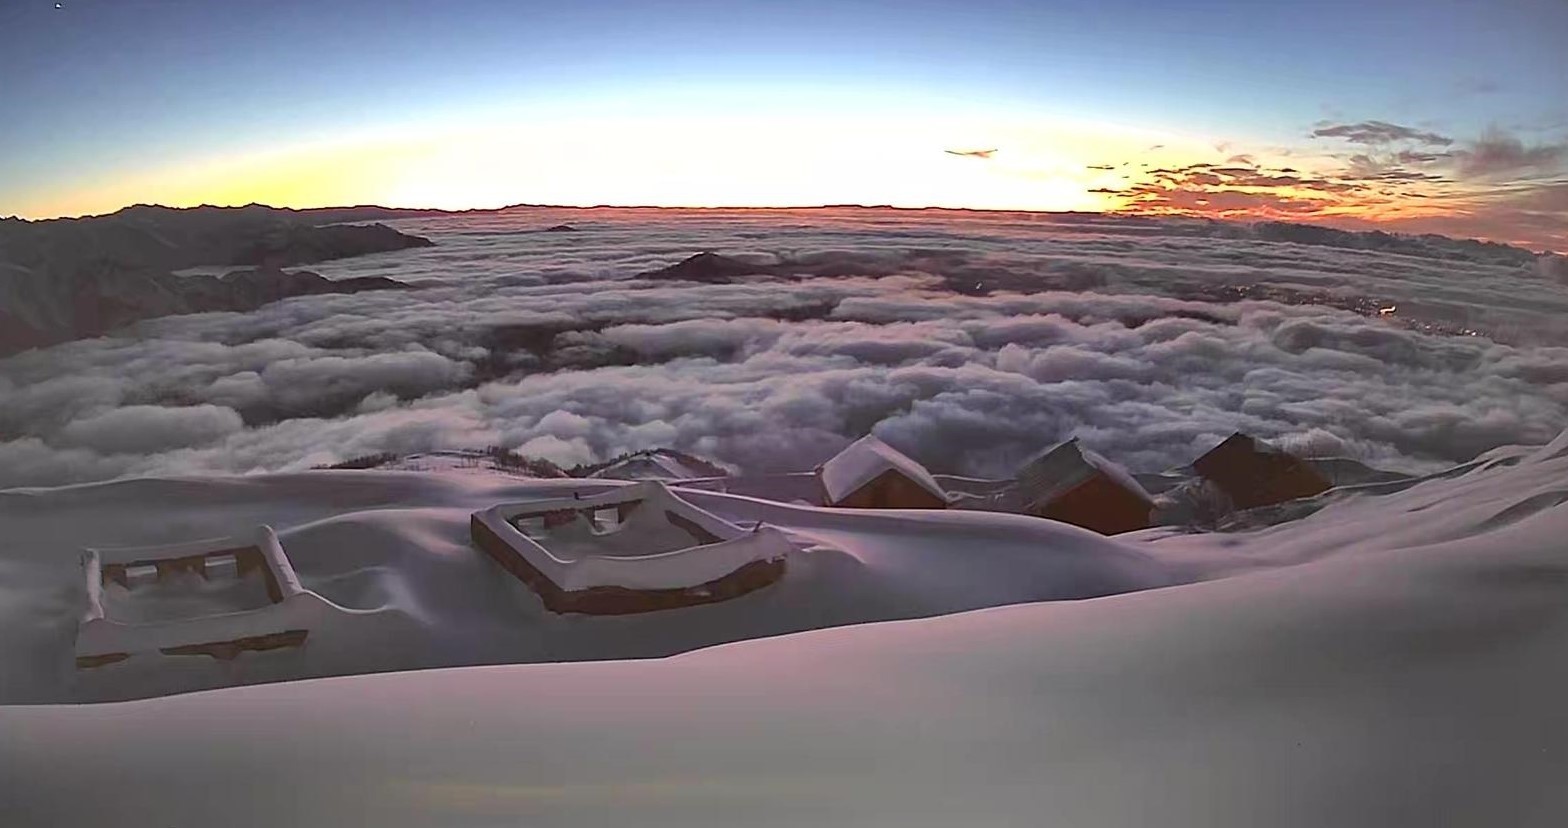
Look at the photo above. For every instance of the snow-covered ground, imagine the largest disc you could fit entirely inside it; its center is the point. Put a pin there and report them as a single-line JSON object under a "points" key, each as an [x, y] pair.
{"points": [[1392, 659], [393, 551]]}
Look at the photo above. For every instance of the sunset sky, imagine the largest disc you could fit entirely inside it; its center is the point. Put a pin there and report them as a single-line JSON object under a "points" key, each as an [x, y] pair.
{"points": [[1414, 115]]}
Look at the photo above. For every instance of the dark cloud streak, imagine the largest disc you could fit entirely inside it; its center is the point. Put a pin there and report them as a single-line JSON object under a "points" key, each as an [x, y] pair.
{"points": [[1377, 133]]}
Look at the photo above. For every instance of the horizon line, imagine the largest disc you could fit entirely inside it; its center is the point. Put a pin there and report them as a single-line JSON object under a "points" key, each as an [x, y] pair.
{"points": [[845, 206]]}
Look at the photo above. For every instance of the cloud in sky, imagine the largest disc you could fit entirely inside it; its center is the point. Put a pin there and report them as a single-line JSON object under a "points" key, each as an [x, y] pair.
{"points": [[544, 344], [1238, 191], [1495, 186], [1498, 153], [1376, 133]]}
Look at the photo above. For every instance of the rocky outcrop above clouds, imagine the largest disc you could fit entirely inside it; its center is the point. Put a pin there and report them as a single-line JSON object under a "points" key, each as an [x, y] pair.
{"points": [[709, 268]]}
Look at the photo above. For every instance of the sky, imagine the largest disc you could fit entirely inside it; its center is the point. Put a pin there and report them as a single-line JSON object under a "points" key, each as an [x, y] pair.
{"points": [[1410, 115]]}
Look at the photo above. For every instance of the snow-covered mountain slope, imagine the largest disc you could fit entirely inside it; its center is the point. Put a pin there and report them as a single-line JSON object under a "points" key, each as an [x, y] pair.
{"points": [[1411, 672]]}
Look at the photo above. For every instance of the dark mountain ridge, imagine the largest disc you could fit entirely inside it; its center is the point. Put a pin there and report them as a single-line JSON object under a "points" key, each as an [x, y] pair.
{"points": [[66, 279]]}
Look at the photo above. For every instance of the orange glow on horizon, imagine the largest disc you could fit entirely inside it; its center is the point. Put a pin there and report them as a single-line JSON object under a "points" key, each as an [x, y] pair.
{"points": [[1040, 165], [678, 162]]}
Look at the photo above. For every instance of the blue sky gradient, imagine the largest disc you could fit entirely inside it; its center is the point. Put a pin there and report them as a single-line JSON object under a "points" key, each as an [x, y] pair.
{"points": [[101, 87]]}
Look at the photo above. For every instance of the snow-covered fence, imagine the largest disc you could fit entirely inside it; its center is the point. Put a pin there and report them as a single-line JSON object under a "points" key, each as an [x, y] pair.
{"points": [[128, 613], [661, 552]]}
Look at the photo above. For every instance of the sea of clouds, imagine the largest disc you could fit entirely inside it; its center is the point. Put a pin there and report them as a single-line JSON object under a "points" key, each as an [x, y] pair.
{"points": [[968, 341]]}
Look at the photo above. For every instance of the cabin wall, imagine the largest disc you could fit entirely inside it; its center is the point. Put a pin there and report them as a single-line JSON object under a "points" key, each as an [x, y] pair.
{"points": [[891, 490], [1100, 505]]}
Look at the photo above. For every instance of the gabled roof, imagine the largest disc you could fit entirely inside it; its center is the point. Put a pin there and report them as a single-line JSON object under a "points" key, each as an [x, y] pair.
{"points": [[659, 464], [1235, 446], [1239, 449], [863, 460], [1255, 473], [1064, 466]]}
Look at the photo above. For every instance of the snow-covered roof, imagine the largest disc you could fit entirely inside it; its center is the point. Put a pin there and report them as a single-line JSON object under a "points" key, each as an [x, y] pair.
{"points": [[653, 465], [1116, 472], [863, 460], [1065, 465]]}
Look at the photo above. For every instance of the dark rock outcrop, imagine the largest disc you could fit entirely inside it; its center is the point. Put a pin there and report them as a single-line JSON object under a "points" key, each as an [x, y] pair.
{"points": [[296, 244], [70, 278], [246, 289], [708, 267], [41, 309], [561, 228]]}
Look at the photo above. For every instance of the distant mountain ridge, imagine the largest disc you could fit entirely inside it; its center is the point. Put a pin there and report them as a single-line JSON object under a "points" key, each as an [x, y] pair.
{"points": [[1424, 245], [147, 237], [66, 279]]}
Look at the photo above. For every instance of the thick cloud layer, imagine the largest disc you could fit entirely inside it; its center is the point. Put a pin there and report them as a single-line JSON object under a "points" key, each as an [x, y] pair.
{"points": [[968, 341]]}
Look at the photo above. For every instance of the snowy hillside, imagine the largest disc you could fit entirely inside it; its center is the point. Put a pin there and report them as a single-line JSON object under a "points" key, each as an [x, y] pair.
{"points": [[1404, 667], [390, 554]]}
